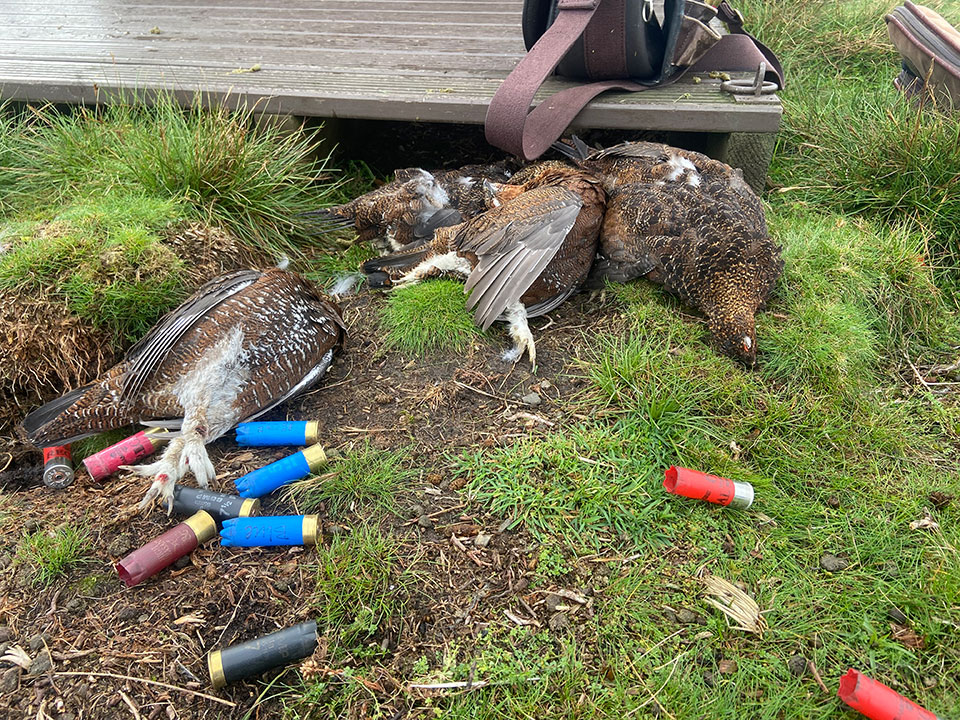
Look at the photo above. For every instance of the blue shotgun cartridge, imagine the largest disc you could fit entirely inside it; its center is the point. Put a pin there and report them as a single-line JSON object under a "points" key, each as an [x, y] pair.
{"points": [[265, 480], [271, 434], [270, 531]]}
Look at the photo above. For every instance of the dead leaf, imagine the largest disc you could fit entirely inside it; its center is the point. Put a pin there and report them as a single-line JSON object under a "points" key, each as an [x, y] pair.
{"points": [[735, 604], [190, 619], [907, 637], [925, 523], [727, 666]]}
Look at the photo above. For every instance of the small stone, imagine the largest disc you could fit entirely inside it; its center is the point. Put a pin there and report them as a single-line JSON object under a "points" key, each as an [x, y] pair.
{"points": [[75, 605], [41, 663], [553, 601], [559, 622], [687, 617], [143, 618], [832, 563], [127, 614], [6, 633], [897, 615], [482, 540], [832, 501], [425, 522], [181, 563], [10, 681], [38, 641], [120, 545], [531, 399], [417, 510], [31, 526], [816, 642], [797, 665], [727, 667], [709, 679], [545, 384]]}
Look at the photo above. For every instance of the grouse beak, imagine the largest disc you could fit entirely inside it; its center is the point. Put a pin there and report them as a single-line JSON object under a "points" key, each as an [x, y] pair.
{"points": [[749, 353]]}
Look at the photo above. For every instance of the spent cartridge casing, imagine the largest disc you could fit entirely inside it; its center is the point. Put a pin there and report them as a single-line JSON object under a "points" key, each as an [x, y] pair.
{"points": [[265, 480], [701, 486], [877, 701], [126, 452], [188, 500], [270, 531], [57, 467], [166, 549], [261, 654], [269, 434]]}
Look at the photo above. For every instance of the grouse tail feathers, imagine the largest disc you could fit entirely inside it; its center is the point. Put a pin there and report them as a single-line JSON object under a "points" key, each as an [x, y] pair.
{"points": [[80, 413]]}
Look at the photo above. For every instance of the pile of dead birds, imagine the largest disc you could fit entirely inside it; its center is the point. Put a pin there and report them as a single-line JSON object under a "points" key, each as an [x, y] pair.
{"points": [[525, 241]]}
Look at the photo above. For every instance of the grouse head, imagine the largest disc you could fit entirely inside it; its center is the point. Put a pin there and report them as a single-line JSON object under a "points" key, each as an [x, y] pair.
{"points": [[735, 335]]}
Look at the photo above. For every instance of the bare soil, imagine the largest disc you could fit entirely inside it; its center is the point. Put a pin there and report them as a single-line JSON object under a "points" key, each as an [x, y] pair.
{"points": [[106, 641]]}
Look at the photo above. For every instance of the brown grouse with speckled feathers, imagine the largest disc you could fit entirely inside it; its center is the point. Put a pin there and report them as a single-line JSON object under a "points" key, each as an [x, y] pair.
{"points": [[692, 225], [521, 258], [242, 344], [407, 210]]}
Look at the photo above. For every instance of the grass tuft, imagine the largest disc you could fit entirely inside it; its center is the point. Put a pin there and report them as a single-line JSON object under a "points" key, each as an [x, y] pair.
{"points": [[104, 258], [229, 168], [428, 317], [363, 477], [50, 554], [359, 587]]}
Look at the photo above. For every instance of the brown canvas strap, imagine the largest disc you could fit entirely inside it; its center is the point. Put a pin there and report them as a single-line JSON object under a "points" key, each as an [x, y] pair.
{"points": [[512, 126], [739, 50]]}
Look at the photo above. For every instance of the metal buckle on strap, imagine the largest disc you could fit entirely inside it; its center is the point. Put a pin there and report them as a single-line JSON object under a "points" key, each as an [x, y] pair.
{"points": [[647, 12], [755, 87], [577, 4]]}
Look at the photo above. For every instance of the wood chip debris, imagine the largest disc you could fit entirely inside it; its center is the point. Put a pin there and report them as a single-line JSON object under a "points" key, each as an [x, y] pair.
{"points": [[735, 604]]}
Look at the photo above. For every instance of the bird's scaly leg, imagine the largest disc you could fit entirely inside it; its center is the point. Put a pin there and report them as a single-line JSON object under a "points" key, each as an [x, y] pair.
{"points": [[194, 455], [516, 315], [186, 453], [165, 473]]}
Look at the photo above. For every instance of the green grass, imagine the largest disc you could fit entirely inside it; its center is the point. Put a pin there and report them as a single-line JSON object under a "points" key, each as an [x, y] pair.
{"points": [[104, 258], [226, 168], [50, 554], [357, 589], [850, 143], [365, 477], [428, 317], [327, 269], [822, 418]]}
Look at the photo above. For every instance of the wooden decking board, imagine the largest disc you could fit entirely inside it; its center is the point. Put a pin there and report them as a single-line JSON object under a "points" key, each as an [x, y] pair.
{"points": [[401, 60]]}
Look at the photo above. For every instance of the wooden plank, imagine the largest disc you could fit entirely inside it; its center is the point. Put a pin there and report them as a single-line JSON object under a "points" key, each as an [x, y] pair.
{"points": [[348, 94], [386, 59]]}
